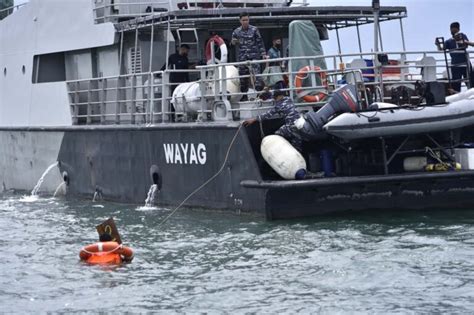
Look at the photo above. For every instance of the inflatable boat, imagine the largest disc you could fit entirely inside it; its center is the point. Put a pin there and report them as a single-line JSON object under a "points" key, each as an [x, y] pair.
{"points": [[391, 120]]}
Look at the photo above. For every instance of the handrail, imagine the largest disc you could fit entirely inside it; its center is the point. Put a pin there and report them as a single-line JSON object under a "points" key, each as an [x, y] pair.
{"points": [[142, 98], [134, 8], [285, 59]]}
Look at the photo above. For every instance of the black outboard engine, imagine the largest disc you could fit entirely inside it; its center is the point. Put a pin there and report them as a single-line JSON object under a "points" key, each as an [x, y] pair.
{"points": [[344, 99]]}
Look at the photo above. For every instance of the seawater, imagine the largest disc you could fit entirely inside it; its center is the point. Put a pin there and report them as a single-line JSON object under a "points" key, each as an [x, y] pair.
{"points": [[203, 261]]}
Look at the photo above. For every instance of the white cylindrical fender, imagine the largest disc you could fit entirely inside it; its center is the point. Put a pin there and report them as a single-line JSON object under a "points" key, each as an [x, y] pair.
{"points": [[415, 163], [282, 156]]}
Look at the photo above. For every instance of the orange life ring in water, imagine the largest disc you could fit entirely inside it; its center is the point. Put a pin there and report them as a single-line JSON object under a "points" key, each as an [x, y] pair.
{"points": [[106, 253], [302, 75], [217, 40]]}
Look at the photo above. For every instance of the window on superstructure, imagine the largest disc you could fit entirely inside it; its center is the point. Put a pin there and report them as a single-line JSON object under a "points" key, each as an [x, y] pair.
{"points": [[49, 68]]}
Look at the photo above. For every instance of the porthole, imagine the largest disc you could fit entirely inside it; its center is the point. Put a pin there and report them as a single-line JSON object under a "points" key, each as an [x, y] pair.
{"points": [[23, 69]]}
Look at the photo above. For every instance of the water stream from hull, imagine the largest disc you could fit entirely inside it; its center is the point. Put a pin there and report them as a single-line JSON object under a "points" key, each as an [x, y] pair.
{"points": [[96, 196], [151, 195], [36, 189], [63, 184]]}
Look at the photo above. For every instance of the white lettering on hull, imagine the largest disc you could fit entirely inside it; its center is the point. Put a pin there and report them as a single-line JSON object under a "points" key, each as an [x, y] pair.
{"points": [[185, 153]]}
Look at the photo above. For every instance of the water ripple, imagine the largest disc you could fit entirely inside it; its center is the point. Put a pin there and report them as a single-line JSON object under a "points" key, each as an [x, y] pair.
{"points": [[211, 262]]}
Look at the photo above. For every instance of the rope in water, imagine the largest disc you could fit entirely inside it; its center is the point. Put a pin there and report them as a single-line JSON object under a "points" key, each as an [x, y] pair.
{"points": [[207, 181], [103, 252]]}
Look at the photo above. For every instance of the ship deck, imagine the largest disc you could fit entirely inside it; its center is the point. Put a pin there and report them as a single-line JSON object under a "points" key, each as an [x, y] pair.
{"points": [[355, 180]]}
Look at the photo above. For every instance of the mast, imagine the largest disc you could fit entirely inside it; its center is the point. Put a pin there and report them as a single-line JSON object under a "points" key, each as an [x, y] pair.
{"points": [[376, 9]]}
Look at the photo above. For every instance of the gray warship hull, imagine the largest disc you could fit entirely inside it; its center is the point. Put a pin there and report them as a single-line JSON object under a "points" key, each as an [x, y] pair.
{"points": [[120, 162]]}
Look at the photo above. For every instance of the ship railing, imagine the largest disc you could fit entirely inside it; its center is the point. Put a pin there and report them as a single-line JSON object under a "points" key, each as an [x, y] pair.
{"points": [[377, 80], [215, 4], [119, 10], [114, 11], [146, 98], [123, 99], [10, 10], [403, 69]]}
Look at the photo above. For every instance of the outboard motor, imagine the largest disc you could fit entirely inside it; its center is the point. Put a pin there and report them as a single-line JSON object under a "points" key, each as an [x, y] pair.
{"points": [[344, 99]]}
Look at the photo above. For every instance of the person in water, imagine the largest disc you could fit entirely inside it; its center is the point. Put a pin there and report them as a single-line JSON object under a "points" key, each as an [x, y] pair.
{"points": [[285, 108], [460, 65], [106, 251], [106, 237]]}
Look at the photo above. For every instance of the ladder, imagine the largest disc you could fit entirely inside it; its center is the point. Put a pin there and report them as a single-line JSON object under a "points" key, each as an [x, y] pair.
{"points": [[189, 36]]}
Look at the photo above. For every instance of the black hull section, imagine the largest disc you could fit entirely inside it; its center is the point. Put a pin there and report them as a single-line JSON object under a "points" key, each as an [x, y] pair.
{"points": [[118, 162], [444, 190]]}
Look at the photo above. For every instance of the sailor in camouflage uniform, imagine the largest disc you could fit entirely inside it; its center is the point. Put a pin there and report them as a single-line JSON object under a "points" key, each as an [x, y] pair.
{"points": [[250, 47], [285, 108]]}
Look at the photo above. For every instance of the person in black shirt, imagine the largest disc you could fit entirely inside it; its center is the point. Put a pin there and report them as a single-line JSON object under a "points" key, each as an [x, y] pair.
{"points": [[178, 61]]}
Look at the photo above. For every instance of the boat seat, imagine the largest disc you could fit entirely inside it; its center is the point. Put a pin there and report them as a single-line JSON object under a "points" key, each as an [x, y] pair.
{"points": [[428, 68], [357, 64], [389, 73], [361, 64], [392, 73], [356, 77]]}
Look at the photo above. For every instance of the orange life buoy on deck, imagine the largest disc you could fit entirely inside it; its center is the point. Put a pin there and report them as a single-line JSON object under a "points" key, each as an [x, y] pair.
{"points": [[106, 253], [217, 40], [301, 76]]}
